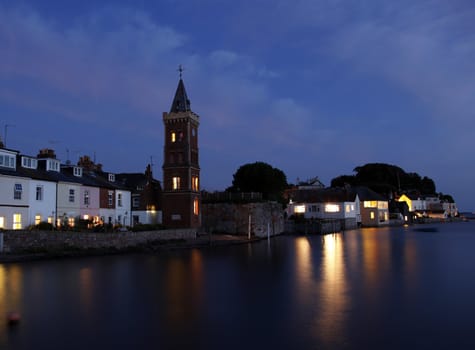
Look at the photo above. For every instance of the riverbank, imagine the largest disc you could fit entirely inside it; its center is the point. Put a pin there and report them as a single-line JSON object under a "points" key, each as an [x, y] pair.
{"points": [[153, 246]]}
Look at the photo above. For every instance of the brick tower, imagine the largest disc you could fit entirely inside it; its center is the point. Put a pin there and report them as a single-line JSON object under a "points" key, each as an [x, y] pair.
{"points": [[181, 171]]}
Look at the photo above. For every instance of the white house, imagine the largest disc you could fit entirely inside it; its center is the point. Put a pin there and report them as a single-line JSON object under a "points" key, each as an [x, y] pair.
{"points": [[14, 192]]}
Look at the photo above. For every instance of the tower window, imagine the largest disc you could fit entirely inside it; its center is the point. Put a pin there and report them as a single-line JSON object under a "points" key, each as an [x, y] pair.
{"points": [[196, 207], [173, 136], [176, 183], [195, 183]]}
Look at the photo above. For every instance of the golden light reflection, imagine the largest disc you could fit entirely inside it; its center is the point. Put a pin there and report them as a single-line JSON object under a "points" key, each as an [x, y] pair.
{"points": [[376, 258], [176, 291], [334, 299], [304, 269], [86, 289], [11, 291]]}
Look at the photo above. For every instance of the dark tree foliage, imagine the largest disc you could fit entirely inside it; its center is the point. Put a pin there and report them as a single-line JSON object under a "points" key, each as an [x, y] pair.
{"points": [[385, 179], [260, 177], [343, 180]]}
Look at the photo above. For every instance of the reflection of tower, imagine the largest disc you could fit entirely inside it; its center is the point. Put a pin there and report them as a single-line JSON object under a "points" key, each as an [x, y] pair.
{"points": [[181, 171]]}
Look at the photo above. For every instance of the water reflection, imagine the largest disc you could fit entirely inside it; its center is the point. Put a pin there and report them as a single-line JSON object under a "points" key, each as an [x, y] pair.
{"points": [[10, 295], [184, 290], [86, 290], [334, 299]]}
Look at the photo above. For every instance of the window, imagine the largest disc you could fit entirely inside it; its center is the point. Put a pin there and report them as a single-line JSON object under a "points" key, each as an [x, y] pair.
{"points": [[71, 222], [136, 201], [195, 183], [39, 193], [332, 208], [17, 221], [37, 219], [77, 171], [50, 220], [110, 198], [370, 204], [2, 222], [71, 196], [382, 205], [111, 177], [30, 163], [86, 197], [176, 183], [52, 165], [196, 208], [173, 136], [371, 215], [119, 199], [18, 189], [7, 161], [299, 209]]}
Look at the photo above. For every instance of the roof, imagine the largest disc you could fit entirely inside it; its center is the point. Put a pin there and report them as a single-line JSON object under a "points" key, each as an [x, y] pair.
{"points": [[180, 103], [337, 195], [366, 194]]}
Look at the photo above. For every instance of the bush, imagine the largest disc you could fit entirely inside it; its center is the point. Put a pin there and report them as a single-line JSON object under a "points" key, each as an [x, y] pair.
{"points": [[45, 226]]}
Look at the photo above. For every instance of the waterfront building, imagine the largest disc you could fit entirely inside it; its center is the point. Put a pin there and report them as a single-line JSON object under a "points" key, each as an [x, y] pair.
{"points": [[181, 170]]}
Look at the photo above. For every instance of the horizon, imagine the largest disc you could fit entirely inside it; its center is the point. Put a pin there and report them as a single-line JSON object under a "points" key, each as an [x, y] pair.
{"points": [[315, 88]]}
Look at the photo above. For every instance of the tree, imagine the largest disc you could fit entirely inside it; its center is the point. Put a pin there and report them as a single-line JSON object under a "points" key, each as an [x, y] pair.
{"points": [[260, 177]]}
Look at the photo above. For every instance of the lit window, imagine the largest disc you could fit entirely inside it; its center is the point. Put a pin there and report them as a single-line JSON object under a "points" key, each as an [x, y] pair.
{"points": [[299, 209], [370, 204], [86, 197], [382, 205], [37, 219], [195, 183], [371, 215], [50, 219], [196, 208], [39, 193], [176, 183], [71, 196], [17, 221], [18, 189], [71, 222], [2, 222], [332, 208], [173, 136]]}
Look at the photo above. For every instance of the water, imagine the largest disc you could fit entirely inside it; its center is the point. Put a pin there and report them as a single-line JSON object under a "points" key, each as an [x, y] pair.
{"points": [[389, 288]]}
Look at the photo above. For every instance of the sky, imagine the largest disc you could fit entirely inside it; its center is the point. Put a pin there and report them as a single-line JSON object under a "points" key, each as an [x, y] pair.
{"points": [[311, 87]]}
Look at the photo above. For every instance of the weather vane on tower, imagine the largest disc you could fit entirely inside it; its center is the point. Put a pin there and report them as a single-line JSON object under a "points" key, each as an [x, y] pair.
{"points": [[180, 69]]}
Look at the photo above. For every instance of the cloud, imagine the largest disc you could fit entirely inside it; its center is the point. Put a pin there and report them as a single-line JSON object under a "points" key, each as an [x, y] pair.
{"points": [[83, 59]]}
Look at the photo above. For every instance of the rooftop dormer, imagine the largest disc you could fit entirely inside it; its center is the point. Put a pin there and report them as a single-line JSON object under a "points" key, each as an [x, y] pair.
{"points": [[8, 159], [29, 162]]}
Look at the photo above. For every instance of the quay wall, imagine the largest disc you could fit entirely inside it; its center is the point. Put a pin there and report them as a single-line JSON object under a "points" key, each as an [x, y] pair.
{"points": [[233, 218], [31, 241]]}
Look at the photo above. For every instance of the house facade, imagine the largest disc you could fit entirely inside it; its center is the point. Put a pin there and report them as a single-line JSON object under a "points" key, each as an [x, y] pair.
{"points": [[40, 189]]}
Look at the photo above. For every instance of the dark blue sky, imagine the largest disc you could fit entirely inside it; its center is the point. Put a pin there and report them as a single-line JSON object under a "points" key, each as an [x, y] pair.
{"points": [[313, 87]]}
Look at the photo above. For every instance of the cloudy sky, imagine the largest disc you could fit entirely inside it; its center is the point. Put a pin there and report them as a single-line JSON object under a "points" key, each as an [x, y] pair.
{"points": [[312, 87]]}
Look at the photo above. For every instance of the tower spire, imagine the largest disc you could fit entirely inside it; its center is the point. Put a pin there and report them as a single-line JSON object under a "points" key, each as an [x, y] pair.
{"points": [[181, 103]]}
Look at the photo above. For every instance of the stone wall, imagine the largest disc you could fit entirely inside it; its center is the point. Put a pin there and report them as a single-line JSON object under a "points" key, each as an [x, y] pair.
{"points": [[233, 218], [30, 241]]}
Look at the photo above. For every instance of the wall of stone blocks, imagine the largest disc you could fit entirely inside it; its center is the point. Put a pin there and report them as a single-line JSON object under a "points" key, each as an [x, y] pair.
{"points": [[233, 218]]}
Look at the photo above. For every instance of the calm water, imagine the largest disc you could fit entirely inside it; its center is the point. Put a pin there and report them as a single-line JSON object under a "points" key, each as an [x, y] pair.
{"points": [[388, 288]]}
